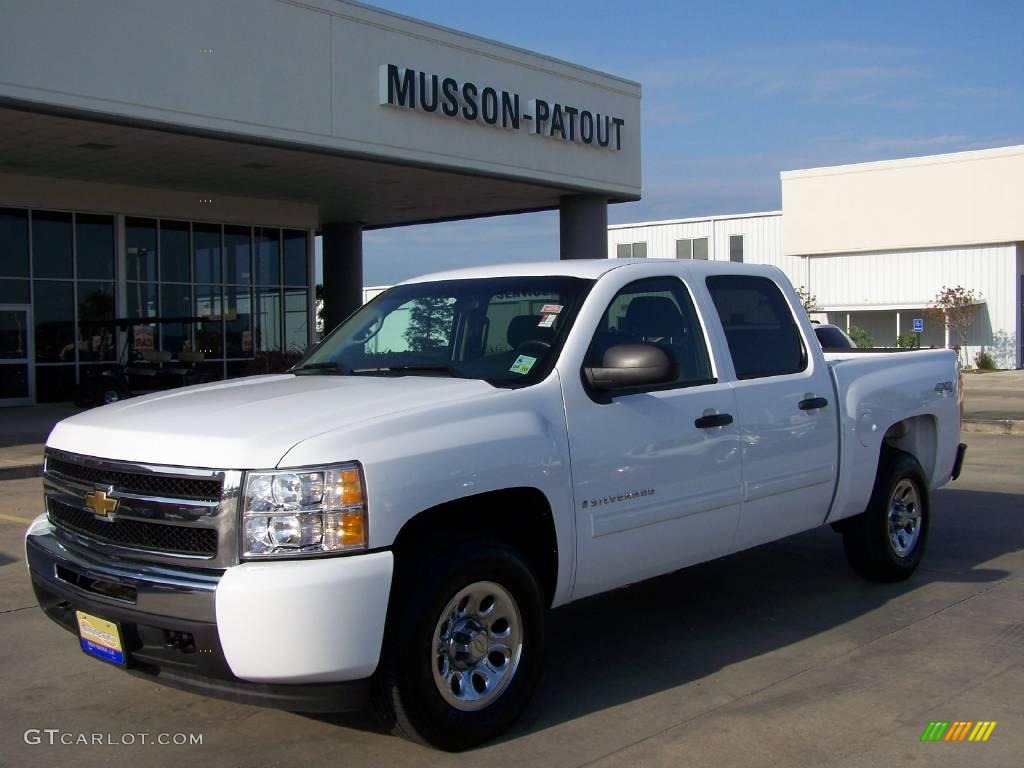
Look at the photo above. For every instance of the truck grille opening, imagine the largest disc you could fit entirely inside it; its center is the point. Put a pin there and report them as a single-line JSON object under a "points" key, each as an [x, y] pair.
{"points": [[195, 489], [171, 539]]}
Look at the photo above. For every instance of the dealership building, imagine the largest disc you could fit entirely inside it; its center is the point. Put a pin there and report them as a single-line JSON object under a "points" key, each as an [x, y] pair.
{"points": [[875, 242], [177, 160]]}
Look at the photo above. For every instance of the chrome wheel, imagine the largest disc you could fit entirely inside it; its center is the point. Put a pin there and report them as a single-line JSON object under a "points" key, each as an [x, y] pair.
{"points": [[904, 518], [478, 641]]}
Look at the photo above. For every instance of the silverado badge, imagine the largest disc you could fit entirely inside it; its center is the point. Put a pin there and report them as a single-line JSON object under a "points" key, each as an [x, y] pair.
{"points": [[100, 503]]}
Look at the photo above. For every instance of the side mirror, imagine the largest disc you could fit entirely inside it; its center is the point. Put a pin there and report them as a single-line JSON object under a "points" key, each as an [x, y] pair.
{"points": [[631, 365]]}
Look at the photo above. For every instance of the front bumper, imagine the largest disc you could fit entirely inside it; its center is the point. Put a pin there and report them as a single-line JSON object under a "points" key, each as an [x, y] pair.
{"points": [[301, 635]]}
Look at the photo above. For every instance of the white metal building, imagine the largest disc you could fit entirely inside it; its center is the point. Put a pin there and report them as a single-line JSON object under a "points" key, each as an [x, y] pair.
{"points": [[875, 242]]}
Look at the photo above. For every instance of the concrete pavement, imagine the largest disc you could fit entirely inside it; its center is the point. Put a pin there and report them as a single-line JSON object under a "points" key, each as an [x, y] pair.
{"points": [[778, 655]]}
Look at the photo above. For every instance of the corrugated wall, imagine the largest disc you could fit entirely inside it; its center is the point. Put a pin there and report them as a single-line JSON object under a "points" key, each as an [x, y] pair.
{"points": [[915, 277], [905, 277]]}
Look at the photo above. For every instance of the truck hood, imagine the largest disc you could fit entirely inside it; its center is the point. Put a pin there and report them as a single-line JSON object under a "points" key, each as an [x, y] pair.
{"points": [[249, 423]]}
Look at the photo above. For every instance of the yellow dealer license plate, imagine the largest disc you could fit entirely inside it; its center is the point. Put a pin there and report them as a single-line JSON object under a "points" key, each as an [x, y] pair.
{"points": [[100, 638]]}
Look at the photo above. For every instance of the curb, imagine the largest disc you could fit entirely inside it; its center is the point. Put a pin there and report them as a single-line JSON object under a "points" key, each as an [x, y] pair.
{"points": [[994, 426], [21, 472]]}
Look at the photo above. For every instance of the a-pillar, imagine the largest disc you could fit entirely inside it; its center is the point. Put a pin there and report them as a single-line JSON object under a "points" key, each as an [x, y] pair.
{"points": [[583, 227], [343, 271]]}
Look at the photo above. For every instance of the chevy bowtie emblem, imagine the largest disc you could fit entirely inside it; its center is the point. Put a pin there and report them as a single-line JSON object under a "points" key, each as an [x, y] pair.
{"points": [[100, 503]]}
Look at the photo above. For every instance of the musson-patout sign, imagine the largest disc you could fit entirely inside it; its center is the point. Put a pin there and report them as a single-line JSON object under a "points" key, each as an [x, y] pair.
{"points": [[447, 97]]}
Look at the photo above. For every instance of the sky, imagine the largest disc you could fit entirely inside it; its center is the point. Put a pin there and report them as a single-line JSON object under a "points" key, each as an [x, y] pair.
{"points": [[735, 92]]}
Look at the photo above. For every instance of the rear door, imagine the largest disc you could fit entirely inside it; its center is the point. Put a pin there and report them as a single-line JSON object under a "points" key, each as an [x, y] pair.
{"points": [[654, 489], [785, 409]]}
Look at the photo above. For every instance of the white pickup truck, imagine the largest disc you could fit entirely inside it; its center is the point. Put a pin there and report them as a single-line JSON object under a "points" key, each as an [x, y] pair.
{"points": [[392, 519]]}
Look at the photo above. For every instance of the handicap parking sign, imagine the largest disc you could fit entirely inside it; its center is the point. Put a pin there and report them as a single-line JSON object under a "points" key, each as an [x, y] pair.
{"points": [[918, 325]]}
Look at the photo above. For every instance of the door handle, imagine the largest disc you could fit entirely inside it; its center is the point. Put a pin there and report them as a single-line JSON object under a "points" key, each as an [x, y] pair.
{"points": [[713, 420], [810, 403]]}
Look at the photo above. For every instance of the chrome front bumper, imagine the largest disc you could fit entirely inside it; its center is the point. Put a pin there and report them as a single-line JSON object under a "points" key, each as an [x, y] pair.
{"points": [[167, 618]]}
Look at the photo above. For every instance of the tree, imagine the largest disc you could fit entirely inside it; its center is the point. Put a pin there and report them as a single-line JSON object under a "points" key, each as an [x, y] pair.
{"points": [[808, 299], [956, 308], [430, 323]]}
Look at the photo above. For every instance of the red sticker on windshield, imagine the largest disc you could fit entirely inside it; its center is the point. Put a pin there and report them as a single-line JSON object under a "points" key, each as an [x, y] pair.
{"points": [[551, 309]]}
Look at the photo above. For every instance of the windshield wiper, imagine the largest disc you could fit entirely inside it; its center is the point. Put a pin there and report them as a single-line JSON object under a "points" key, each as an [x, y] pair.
{"points": [[325, 367], [412, 369]]}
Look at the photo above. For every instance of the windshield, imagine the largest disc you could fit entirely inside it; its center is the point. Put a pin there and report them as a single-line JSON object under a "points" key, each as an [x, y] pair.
{"points": [[505, 330]]}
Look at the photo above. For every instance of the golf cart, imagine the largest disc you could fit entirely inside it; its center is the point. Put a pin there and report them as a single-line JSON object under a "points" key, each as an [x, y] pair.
{"points": [[140, 367]]}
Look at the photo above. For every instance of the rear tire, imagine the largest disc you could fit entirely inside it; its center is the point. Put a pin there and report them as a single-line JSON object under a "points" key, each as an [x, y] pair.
{"points": [[464, 644], [887, 541]]}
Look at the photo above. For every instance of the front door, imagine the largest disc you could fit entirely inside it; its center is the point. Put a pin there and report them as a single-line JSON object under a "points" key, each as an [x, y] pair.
{"points": [[656, 472], [17, 386]]}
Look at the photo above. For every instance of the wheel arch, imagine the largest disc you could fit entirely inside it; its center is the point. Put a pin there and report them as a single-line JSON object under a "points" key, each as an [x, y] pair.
{"points": [[917, 436], [519, 516]]}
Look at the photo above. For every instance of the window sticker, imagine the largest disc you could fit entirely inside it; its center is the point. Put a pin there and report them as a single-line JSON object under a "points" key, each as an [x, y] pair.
{"points": [[551, 309], [546, 321], [523, 364]]}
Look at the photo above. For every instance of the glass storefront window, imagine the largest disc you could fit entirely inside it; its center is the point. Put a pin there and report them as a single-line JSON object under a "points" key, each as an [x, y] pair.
{"points": [[268, 256], [141, 300], [296, 320], [268, 320], [140, 245], [96, 338], [55, 383], [94, 245], [209, 332], [51, 244], [174, 252], [176, 301], [237, 322], [14, 292], [13, 243], [54, 316], [237, 255], [296, 258], [206, 253]]}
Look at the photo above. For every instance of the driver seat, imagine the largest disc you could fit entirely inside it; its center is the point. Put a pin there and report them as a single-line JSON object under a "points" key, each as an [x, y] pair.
{"points": [[524, 328]]}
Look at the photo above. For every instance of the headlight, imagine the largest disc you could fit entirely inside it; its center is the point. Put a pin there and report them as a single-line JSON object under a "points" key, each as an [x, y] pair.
{"points": [[308, 511]]}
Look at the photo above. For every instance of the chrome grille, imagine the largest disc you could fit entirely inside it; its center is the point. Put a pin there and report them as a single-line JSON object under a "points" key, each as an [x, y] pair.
{"points": [[176, 539], [164, 514], [154, 485]]}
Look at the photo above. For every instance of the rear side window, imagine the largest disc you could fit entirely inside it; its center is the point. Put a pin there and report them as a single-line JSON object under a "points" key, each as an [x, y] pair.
{"points": [[656, 310], [763, 336]]}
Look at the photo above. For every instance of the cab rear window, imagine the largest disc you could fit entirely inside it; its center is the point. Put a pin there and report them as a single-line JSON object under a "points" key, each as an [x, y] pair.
{"points": [[763, 336]]}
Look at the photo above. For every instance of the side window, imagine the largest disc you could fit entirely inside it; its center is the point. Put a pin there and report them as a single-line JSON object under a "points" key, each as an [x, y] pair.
{"points": [[656, 310], [763, 336]]}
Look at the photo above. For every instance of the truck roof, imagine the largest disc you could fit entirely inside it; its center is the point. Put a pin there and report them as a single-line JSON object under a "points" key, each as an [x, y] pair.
{"points": [[588, 268]]}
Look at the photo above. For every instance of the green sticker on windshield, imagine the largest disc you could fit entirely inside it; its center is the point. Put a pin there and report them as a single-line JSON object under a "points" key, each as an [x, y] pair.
{"points": [[523, 364]]}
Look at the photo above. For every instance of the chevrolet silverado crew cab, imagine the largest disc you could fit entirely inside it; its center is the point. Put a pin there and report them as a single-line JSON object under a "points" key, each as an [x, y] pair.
{"points": [[391, 520]]}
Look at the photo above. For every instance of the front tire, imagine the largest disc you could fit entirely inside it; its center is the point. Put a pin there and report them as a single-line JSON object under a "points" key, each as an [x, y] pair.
{"points": [[464, 644], [886, 542]]}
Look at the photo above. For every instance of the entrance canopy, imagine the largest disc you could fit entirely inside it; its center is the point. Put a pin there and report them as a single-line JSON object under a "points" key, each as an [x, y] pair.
{"points": [[374, 118], [376, 192]]}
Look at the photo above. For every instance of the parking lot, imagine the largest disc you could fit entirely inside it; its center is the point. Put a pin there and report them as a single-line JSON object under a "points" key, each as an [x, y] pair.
{"points": [[778, 655]]}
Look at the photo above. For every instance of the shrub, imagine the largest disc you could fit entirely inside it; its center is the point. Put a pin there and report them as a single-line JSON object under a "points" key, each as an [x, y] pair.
{"points": [[906, 341], [984, 361], [861, 337]]}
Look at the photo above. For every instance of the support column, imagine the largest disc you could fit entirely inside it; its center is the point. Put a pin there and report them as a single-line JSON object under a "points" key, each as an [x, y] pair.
{"points": [[583, 227], [343, 271]]}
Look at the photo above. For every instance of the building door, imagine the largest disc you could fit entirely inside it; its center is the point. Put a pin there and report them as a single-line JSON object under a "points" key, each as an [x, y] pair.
{"points": [[17, 373]]}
